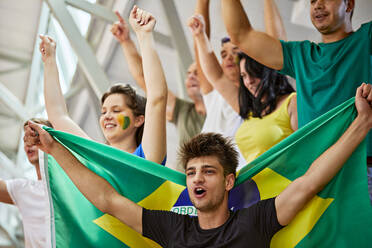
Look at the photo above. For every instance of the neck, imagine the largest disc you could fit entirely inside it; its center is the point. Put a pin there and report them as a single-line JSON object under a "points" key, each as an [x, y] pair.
{"points": [[340, 34], [213, 218], [125, 146], [199, 104]]}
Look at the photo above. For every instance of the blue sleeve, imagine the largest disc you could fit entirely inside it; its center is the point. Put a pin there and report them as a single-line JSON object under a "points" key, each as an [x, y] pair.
{"points": [[139, 152], [289, 50]]}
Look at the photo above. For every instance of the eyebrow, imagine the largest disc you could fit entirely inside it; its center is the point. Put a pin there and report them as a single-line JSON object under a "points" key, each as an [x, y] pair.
{"points": [[206, 166]]}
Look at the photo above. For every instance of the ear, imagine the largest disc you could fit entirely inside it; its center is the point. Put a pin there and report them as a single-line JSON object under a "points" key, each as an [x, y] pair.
{"points": [[230, 181], [139, 120], [350, 5]]}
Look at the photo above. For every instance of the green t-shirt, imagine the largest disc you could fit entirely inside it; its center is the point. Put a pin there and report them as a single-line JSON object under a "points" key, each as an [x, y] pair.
{"points": [[188, 122], [327, 74]]}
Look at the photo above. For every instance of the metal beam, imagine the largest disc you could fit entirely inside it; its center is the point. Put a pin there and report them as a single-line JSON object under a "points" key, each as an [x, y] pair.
{"points": [[17, 68], [71, 92], [105, 14], [34, 79], [13, 103], [9, 167], [179, 40], [95, 9], [86, 57], [20, 58]]}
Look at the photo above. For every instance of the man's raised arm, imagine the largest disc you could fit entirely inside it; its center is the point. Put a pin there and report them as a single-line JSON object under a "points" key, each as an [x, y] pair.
{"points": [[258, 45], [324, 168], [96, 189]]}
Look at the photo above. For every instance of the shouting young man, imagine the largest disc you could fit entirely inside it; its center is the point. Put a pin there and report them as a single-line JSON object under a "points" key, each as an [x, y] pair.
{"points": [[210, 162]]}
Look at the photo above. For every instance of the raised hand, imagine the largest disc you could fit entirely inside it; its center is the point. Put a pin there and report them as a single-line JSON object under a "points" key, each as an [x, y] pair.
{"points": [[47, 48], [35, 135], [120, 29], [363, 102], [141, 21], [196, 24]]}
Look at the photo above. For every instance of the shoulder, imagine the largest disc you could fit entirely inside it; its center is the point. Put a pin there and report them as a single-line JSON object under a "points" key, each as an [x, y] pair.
{"points": [[212, 94], [139, 151], [285, 101], [365, 29], [296, 44], [164, 220], [181, 103], [18, 183], [366, 25]]}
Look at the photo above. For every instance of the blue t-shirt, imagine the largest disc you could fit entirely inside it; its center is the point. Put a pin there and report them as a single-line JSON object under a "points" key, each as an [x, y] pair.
{"points": [[139, 152]]}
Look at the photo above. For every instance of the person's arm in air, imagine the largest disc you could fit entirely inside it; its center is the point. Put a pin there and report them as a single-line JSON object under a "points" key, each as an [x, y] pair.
{"points": [[260, 46], [4, 194], [96, 189], [154, 134], [210, 65], [120, 30], [202, 9], [54, 101], [273, 21], [323, 169]]}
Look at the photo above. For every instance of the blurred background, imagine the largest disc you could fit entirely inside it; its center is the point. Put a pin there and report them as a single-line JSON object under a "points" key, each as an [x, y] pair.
{"points": [[90, 60]]}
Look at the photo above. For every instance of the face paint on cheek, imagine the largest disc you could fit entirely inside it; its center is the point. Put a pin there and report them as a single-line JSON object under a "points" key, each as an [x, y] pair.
{"points": [[124, 121]]}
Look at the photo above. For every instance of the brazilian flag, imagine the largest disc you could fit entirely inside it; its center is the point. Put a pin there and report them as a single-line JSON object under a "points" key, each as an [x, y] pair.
{"points": [[339, 216]]}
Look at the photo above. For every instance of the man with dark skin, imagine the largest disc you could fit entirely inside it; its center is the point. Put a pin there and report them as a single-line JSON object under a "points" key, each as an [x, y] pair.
{"points": [[209, 177]]}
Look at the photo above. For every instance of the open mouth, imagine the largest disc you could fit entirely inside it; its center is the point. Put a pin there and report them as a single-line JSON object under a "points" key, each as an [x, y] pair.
{"points": [[109, 125], [320, 17], [199, 192]]}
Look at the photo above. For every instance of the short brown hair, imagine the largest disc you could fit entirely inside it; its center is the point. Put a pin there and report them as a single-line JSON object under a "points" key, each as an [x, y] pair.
{"points": [[134, 101], [210, 144], [41, 121]]}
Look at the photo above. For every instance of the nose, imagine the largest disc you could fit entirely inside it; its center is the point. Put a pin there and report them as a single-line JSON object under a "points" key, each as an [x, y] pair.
{"points": [[230, 57], [198, 178], [319, 4], [191, 75], [108, 116]]}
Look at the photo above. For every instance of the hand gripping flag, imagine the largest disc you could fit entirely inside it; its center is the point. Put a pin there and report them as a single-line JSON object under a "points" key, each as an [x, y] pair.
{"points": [[339, 216]]}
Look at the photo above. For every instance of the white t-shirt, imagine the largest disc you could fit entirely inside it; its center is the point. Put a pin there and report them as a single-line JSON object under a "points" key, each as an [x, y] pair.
{"points": [[221, 118], [31, 199]]}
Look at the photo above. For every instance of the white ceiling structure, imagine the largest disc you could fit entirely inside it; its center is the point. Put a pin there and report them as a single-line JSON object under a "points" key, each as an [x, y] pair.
{"points": [[84, 39]]}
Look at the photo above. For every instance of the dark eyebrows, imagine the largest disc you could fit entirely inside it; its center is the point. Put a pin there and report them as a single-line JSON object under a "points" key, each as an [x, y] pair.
{"points": [[206, 166]]}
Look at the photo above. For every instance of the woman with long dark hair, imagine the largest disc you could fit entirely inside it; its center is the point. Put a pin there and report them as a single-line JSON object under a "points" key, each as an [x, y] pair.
{"points": [[264, 98], [267, 103]]}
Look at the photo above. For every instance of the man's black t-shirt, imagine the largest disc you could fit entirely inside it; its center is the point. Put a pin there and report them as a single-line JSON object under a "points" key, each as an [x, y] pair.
{"points": [[249, 227]]}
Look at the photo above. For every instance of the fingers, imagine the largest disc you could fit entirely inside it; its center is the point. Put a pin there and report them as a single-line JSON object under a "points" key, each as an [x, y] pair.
{"points": [[195, 22], [31, 137], [35, 126], [133, 13], [46, 44], [365, 91], [120, 18], [146, 18], [142, 17], [116, 29]]}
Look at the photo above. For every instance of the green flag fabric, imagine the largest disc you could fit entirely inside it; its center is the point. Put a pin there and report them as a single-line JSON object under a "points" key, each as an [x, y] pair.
{"points": [[339, 216]]}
